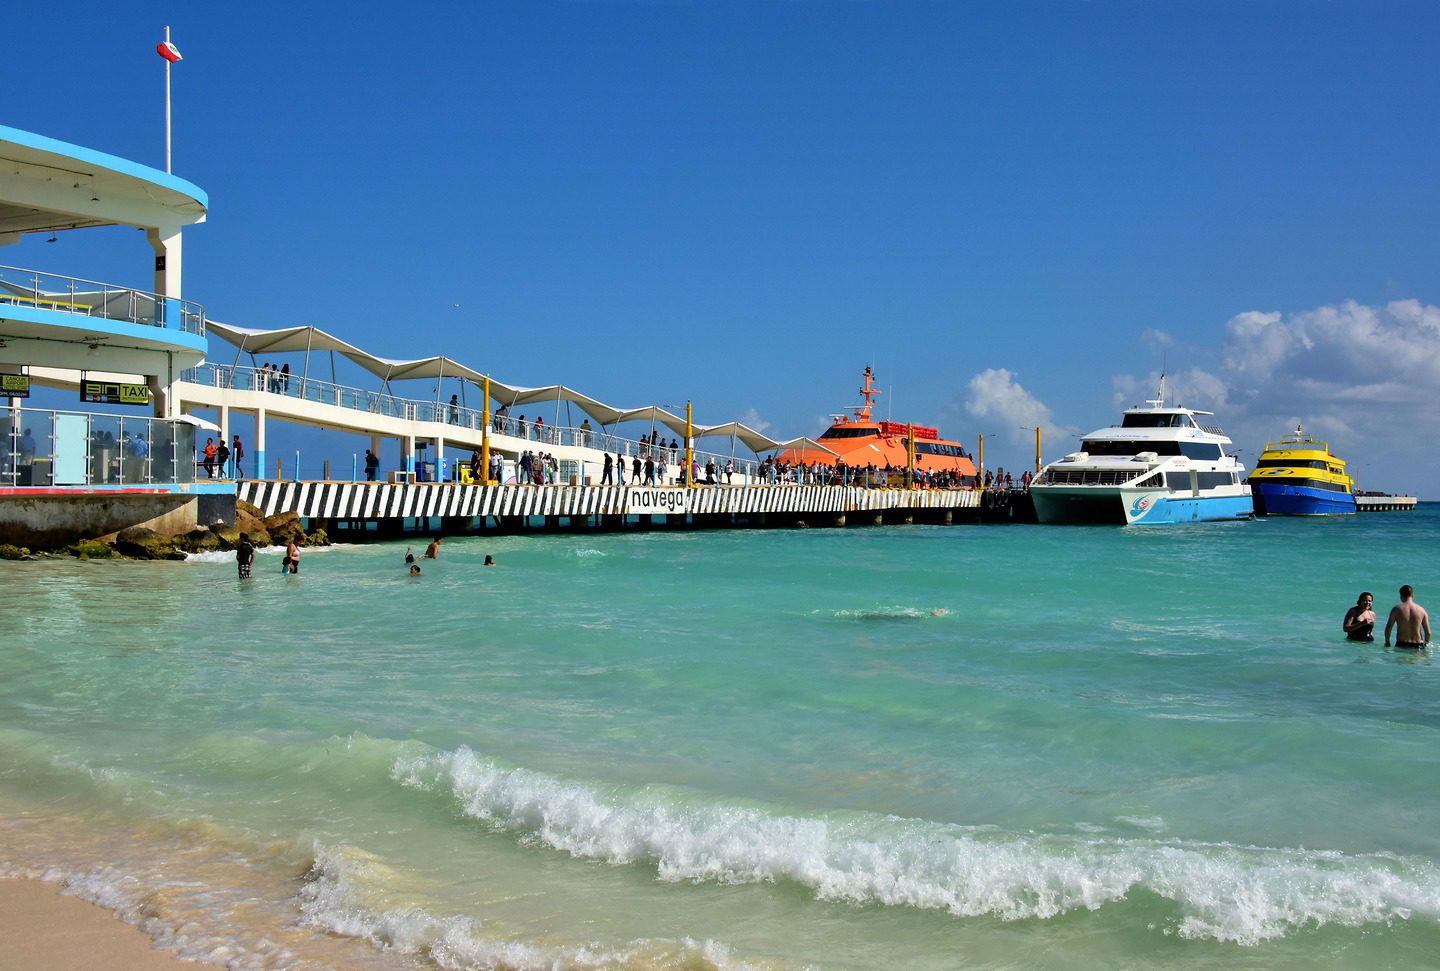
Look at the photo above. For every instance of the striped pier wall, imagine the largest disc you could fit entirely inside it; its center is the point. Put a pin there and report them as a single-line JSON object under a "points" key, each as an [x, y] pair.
{"points": [[1384, 503], [385, 501]]}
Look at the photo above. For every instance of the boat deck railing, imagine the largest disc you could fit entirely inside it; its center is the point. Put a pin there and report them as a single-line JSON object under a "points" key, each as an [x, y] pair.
{"points": [[1083, 477], [88, 298]]}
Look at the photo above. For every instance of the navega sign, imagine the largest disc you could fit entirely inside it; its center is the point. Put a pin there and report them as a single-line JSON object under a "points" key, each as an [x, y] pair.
{"points": [[657, 502]]}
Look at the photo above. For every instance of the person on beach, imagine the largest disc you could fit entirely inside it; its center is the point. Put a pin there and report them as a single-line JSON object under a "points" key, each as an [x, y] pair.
{"points": [[244, 557], [1359, 622], [292, 557], [1410, 620], [432, 552]]}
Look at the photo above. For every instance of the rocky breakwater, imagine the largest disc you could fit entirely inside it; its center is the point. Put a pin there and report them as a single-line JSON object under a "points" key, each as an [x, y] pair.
{"points": [[140, 543]]}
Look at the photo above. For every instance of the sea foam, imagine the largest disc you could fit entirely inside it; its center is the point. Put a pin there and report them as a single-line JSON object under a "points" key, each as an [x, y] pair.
{"points": [[1243, 894], [334, 899]]}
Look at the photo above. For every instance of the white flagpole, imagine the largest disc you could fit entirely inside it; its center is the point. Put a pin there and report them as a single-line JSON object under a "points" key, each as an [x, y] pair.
{"points": [[167, 104]]}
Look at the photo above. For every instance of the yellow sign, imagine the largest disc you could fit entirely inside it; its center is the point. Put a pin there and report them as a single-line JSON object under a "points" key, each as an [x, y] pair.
{"points": [[15, 385], [114, 393]]}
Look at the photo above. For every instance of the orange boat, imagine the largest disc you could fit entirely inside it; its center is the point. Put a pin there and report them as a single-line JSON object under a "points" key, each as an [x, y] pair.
{"points": [[859, 441]]}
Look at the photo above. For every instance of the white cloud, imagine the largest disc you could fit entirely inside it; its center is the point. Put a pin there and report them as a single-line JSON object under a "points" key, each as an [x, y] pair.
{"points": [[1006, 410], [1364, 378], [752, 419]]}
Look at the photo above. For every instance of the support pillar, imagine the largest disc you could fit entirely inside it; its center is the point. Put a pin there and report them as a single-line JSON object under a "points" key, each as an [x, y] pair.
{"points": [[257, 454]]}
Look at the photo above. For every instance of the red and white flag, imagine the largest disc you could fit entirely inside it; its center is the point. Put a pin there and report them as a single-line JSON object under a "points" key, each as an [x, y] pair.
{"points": [[168, 51]]}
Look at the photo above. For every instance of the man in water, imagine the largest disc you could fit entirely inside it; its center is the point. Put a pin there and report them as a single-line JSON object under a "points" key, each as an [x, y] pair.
{"points": [[244, 556], [432, 552], [1410, 620], [1359, 622]]}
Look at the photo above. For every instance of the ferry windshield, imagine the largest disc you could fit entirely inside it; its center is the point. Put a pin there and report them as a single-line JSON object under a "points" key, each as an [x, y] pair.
{"points": [[1158, 421], [1194, 450], [840, 431]]}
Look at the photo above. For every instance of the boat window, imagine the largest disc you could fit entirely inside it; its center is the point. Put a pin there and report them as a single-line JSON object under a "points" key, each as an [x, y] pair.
{"points": [[1166, 420], [1300, 483], [840, 431], [1130, 447], [1288, 464], [1200, 450], [940, 448], [1212, 480], [1178, 481]]}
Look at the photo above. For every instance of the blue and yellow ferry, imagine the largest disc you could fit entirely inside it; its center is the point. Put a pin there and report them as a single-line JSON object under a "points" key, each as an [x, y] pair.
{"points": [[1298, 476]]}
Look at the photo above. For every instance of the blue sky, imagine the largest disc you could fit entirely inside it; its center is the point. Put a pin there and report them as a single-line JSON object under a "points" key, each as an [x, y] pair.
{"points": [[1015, 211]]}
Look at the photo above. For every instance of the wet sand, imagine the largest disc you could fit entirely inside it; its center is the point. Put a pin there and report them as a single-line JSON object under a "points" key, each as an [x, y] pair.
{"points": [[44, 930]]}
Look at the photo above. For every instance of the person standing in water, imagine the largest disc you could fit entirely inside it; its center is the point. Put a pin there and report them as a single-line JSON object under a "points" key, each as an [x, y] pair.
{"points": [[1359, 622], [432, 552], [1410, 620], [244, 557]]}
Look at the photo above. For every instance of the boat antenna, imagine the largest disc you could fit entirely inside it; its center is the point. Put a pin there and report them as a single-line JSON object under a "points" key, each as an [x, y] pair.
{"points": [[1159, 400]]}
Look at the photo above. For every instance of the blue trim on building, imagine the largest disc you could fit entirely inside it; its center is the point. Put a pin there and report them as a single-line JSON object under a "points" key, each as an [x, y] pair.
{"points": [[106, 326], [112, 162]]}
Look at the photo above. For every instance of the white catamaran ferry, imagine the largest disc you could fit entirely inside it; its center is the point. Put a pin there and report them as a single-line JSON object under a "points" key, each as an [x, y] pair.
{"points": [[1158, 466]]}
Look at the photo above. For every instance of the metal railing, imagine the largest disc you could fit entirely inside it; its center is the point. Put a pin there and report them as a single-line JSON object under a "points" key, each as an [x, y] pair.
{"points": [[66, 448], [668, 460], [88, 298]]}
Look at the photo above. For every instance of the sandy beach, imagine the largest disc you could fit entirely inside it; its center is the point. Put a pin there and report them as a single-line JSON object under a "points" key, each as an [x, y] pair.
{"points": [[42, 929]]}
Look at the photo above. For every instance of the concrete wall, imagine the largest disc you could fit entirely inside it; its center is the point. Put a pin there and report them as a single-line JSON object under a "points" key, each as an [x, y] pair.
{"points": [[49, 522]]}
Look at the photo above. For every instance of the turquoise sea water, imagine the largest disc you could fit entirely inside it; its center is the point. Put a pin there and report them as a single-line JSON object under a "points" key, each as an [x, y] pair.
{"points": [[898, 747]]}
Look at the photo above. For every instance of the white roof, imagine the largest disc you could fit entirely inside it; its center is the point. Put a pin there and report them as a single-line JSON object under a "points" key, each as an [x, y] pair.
{"points": [[305, 339]]}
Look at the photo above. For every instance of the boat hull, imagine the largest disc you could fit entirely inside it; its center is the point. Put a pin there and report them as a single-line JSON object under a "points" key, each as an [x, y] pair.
{"points": [[1278, 499], [1134, 507]]}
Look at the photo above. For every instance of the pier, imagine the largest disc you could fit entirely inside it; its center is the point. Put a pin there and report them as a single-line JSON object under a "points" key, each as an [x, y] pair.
{"points": [[357, 509], [1384, 503]]}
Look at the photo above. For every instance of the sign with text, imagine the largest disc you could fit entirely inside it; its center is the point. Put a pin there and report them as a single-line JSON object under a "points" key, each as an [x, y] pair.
{"points": [[14, 385], [113, 393], [657, 502]]}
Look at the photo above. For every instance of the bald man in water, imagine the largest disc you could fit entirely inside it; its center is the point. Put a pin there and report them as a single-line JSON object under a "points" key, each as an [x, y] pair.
{"points": [[1410, 620]]}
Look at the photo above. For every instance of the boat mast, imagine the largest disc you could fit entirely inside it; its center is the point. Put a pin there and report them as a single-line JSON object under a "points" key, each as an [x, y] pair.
{"points": [[868, 392]]}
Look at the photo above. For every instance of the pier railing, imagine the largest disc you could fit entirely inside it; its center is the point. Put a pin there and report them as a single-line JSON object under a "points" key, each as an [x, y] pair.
{"points": [[305, 388], [88, 298]]}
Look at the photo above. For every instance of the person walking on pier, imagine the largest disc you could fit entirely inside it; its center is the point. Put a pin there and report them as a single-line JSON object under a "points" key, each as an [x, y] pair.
{"points": [[208, 462], [475, 465], [608, 476], [237, 456], [454, 409], [222, 458], [649, 470], [372, 462], [635, 471]]}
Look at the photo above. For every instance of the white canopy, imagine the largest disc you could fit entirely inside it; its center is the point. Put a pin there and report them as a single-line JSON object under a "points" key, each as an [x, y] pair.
{"points": [[305, 339]]}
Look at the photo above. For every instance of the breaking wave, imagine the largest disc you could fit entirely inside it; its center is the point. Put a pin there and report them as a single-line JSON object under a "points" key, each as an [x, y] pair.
{"points": [[1221, 891]]}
